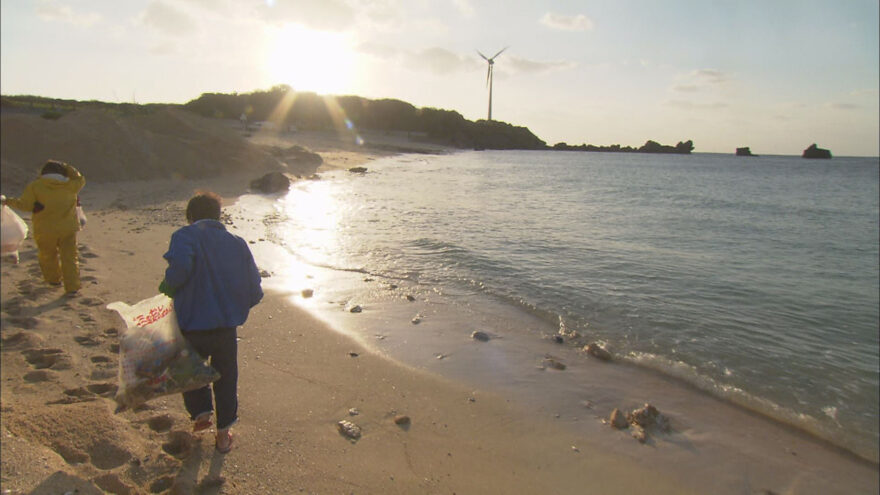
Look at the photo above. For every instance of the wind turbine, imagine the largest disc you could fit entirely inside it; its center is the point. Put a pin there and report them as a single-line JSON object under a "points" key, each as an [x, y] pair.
{"points": [[489, 77]]}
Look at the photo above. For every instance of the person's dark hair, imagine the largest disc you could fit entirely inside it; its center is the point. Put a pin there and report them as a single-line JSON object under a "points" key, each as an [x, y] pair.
{"points": [[54, 167], [203, 205]]}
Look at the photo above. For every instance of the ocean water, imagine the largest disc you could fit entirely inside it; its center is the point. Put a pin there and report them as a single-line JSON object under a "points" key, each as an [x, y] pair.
{"points": [[752, 279]]}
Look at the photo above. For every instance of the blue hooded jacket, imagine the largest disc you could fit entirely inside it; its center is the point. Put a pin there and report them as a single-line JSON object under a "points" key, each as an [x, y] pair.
{"points": [[213, 276]]}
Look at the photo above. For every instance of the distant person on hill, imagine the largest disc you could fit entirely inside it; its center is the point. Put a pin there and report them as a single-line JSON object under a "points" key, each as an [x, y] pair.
{"points": [[52, 199], [214, 282]]}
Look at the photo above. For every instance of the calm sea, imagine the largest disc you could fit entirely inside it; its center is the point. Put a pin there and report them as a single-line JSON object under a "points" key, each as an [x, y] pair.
{"points": [[753, 279]]}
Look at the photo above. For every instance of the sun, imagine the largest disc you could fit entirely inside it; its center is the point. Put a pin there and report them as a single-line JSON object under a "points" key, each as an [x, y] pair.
{"points": [[310, 60]]}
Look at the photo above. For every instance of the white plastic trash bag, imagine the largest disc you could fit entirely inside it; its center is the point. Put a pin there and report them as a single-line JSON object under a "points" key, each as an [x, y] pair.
{"points": [[13, 231], [81, 216], [154, 358]]}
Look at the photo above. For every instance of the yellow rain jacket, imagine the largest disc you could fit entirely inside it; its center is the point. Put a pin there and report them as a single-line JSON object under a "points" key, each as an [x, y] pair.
{"points": [[58, 216], [53, 203]]}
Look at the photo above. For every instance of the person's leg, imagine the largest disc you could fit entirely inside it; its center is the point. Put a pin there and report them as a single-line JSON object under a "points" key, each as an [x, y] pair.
{"points": [[225, 361], [198, 401], [47, 254], [69, 262]]}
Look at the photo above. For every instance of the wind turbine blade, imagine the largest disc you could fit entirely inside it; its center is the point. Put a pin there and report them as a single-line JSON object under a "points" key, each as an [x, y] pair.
{"points": [[499, 53], [484, 57]]}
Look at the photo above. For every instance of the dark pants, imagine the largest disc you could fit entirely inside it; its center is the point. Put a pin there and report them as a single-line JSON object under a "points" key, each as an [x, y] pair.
{"points": [[220, 346]]}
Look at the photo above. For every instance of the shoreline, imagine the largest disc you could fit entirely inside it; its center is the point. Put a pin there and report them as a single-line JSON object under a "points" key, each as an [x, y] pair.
{"points": [[382, 315], [297, 379]]}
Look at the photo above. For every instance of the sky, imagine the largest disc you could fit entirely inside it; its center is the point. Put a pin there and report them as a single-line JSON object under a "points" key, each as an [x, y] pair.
{"points": [[774, 75]]}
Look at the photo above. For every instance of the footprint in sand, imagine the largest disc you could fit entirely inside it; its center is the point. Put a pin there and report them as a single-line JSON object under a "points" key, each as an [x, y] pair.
{"points": [[22, 340], [107, 455], [37, 376], [102, 374], [111, 483], [104, 368], [91, 301], [26, 322], [161, 484], [179, 444], [88, 255], [86, 340], [55, 359], [160, 424], [71, 455], [25, 287], [78, 392], [102, 389], [13, 306]]}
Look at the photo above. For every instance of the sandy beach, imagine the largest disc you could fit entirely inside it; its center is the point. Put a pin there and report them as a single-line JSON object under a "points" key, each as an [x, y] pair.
{"points": [[298, 379]]}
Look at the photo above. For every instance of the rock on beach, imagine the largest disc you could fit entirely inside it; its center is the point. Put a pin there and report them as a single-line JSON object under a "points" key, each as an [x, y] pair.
{"points": [[349, 430], [597, 351], [480, 336], [618, 419], [272, 182]]}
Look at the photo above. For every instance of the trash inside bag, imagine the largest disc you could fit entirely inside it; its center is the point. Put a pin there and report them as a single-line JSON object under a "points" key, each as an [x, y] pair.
{"points": [[154, 358], [13, 231]]}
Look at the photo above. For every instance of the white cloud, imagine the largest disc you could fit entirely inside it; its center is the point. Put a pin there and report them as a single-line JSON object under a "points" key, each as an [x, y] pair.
{"points": [[379, 50], [694, 105], [562, 22], [844, 106], [865, 92], [464, 7], [523, 65], [442, 61], [50, 10], [701, 81], [686, 88], [331, 15], [710, 76], [168, 19]]}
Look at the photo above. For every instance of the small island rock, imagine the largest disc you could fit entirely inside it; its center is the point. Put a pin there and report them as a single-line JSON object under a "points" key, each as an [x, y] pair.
{"points": [[816, 152]]}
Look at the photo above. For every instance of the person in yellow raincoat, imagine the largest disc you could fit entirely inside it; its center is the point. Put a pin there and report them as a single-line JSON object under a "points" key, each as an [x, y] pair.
{"points": [[52, 198]]}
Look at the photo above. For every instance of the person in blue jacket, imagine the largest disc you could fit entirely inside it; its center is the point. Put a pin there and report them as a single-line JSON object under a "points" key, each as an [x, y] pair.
{"points": [[214, 282]]}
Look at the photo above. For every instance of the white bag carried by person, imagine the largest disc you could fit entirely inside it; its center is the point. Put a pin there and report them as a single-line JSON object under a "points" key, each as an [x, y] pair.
{"points": [[154, 358], [13, 231], [80, 214]]}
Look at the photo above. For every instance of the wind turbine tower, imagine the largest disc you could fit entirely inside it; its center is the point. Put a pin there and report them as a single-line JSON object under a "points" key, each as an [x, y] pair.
{"points": [[489, 77]]}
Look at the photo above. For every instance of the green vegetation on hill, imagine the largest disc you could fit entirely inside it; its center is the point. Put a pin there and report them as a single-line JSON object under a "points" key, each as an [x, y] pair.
{"points": [[52, 108], [310, 111], [307, 110]]}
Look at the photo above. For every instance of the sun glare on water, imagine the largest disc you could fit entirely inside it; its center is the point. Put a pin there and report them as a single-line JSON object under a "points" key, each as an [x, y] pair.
{"points": [[310, 60]]}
